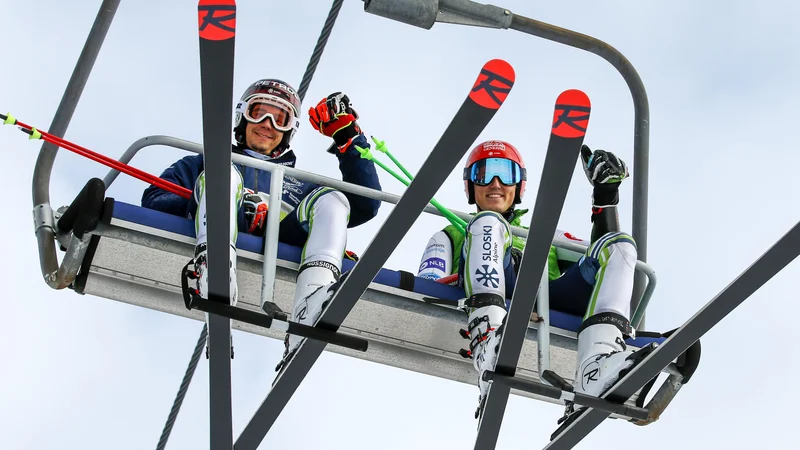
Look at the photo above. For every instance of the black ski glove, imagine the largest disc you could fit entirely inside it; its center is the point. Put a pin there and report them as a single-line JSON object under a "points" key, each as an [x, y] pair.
{"points": [[605, 171]]}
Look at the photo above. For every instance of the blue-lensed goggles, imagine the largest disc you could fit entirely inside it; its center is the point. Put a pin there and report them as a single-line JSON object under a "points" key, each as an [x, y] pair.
{"points": [[482, 172]]}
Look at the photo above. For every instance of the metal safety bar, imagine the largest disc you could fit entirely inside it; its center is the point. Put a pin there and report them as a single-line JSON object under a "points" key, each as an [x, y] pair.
{"points": [[543, 313], [271, 236], [60, 276]]}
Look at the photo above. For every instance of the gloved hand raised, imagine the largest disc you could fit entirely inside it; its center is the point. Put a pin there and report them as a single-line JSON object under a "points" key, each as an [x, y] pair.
{"points": [[605, 171], [335, 117], [255, 211]]}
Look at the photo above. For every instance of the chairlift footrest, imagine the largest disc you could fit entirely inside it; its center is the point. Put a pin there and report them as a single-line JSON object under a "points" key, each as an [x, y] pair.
{"points": [[557, 381]]}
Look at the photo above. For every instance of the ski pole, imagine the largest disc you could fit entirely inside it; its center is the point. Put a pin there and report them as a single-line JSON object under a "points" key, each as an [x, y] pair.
{"points": [[97, 157], [457, 222]]}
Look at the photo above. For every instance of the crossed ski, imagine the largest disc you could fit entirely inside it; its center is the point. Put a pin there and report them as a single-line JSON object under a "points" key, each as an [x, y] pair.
{"points": [[485, 98], [568, 131]]}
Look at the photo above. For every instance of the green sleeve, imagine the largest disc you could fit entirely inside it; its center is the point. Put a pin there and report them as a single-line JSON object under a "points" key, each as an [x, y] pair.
{"points": [[553, 271]]}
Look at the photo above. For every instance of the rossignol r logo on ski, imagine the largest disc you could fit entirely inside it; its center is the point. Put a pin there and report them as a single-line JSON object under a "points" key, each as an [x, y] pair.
{"points": [[216, 19], [493, 84], [571, 115]]}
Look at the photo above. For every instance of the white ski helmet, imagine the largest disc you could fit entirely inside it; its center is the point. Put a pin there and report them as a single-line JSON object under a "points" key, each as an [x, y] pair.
{"points": [[276, 90]]}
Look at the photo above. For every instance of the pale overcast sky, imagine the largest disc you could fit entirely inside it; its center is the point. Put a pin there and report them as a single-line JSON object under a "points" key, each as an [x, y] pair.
{"points": [[82, 372]]}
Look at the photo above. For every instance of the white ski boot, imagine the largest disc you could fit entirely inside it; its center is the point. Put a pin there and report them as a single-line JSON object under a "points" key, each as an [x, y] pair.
{"points": [[603, 359], [316, 286], [201, 268], [485, 329], [201, 272], [602, 355]]}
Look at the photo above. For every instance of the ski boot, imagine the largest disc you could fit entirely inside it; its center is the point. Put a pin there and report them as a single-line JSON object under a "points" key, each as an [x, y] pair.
{"points": [[201, 275], [603, 359], [317, 283], [486, 320]]}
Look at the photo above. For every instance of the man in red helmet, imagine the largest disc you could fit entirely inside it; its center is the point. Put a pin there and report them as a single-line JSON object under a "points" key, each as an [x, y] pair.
{"points": [[598, 287], [266, 118]]}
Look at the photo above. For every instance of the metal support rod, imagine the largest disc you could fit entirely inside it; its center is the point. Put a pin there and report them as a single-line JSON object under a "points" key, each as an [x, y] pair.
{"points": [[271, 236], [543, 330], [48, 261], [69, 101], [641, 131]]}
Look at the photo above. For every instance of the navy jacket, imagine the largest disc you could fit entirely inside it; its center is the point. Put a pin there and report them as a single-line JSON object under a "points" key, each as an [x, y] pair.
{"points": [[354, 170]]}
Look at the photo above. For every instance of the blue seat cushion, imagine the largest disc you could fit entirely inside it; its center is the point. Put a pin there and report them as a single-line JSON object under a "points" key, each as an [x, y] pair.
{"points": [[388, 277]]}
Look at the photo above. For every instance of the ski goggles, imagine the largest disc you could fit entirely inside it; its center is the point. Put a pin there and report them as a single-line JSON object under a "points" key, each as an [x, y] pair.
{"points": [[260, 107], [482, 172]]}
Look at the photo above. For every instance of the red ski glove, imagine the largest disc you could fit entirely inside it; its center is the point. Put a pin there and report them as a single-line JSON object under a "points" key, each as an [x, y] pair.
{"points": [[255, 211], [351, 255], [335, 117]]}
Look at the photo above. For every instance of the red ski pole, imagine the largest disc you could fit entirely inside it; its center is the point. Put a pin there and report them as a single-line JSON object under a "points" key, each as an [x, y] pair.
{"points": [[97, 157]]}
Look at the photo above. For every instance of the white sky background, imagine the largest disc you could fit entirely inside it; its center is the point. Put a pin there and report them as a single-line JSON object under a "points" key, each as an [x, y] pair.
{"points": [[84, 372]]}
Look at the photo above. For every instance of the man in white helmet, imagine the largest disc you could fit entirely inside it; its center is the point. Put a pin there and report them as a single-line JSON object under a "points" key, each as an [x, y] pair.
{"points": [[267, 117], [486, 259]]}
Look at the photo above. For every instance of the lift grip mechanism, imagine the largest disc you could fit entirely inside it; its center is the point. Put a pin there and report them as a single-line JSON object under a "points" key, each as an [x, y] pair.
{"points": [[561, 390]]}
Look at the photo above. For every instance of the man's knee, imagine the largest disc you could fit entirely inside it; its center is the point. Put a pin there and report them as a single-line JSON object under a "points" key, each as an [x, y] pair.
{"points": [[335, 197], [490, 234], [237, 183], [325, 197], [323, 201], [487, 219], [616, 242]]}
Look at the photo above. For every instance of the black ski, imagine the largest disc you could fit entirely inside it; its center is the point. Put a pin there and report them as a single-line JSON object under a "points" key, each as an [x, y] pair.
{"points": [[570, 120], [217, 31], [485, 97]]}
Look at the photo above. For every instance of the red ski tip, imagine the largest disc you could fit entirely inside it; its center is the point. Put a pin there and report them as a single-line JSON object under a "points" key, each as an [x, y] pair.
{"points": [[493, 84], [571, 116], [216, 19]]}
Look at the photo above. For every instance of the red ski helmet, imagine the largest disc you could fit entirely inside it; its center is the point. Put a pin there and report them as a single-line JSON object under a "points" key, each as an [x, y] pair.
{"points": [[275, 90], [493, 158]]}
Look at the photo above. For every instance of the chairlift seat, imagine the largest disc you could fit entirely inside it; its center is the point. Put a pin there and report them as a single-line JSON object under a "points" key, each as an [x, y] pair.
{"points": [[137, 254]]}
